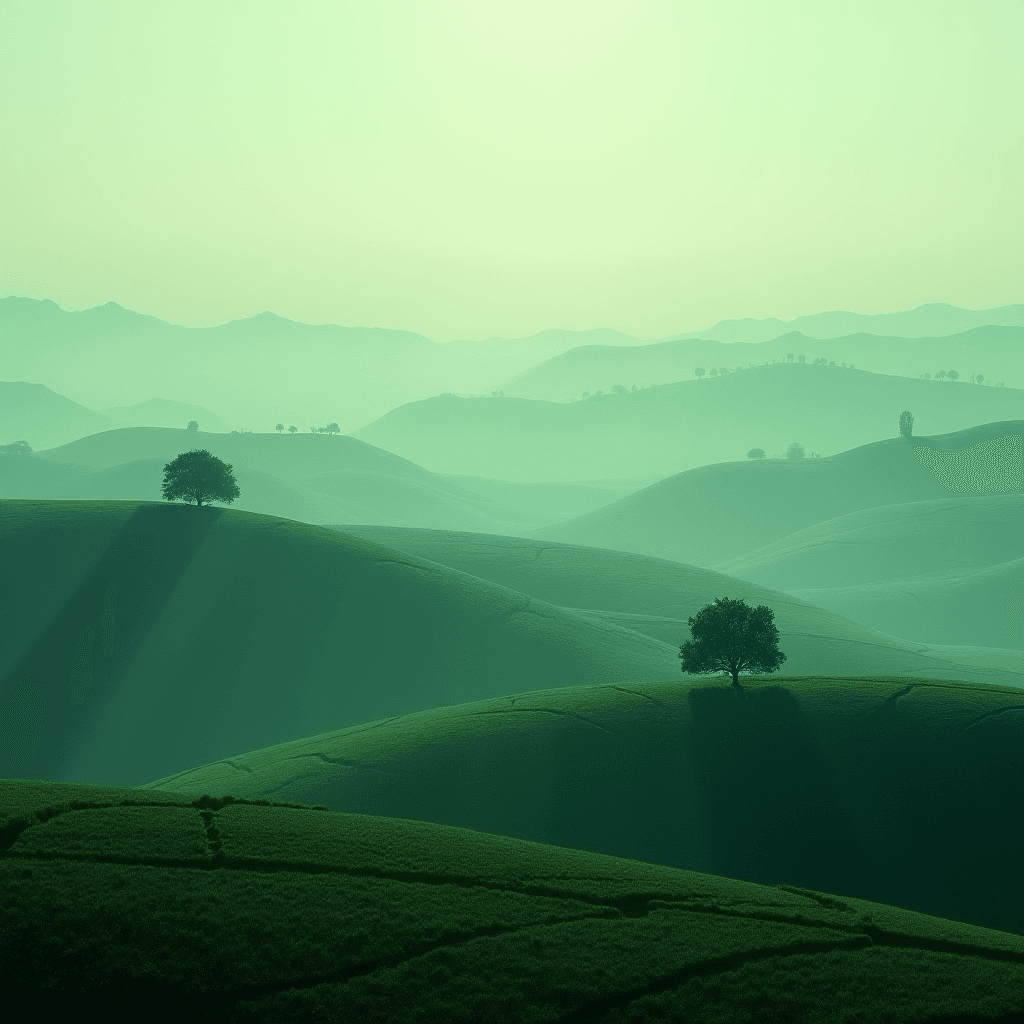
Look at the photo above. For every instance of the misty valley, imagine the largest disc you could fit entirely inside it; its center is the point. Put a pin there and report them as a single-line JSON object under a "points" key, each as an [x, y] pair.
{"points": [[529, 673]]}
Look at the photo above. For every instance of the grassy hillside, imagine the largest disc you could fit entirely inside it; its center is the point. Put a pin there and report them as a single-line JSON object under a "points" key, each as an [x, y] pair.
{"points": [[992, 351], [656, 597], [947, 570], [719, 512], [669, 429], [33, 413], [310, 477], [138, 639], [899, 790], [132, 905]]}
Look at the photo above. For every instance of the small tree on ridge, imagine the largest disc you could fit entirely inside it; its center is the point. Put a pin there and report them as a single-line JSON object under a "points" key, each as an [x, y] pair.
{"points": [[730, 636], [906, 423], [199, 476]]}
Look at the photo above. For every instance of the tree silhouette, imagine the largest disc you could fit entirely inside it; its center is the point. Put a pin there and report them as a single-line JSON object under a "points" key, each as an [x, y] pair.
{"points": [[199, 476], [291, 430], [789, 357], [940, 374], [906, 423], [618, 390], [795, 451], [729, 636], [801, 359], [332, 428], [952, 375], [756, 453], [714, 371], [193, 425], [979, 378], [279, 427], [699, 372]]}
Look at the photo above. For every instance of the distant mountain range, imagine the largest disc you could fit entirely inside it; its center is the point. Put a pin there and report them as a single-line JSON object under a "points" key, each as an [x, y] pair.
{"points": [[934, 319], [263, 369]]}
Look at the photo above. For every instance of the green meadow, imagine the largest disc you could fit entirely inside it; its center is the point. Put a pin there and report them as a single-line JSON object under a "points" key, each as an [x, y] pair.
{"points": [[262, 769]]}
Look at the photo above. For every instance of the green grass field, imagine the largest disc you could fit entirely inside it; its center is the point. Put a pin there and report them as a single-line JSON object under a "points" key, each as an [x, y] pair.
{"points": [[256, 770], [132, 905]]}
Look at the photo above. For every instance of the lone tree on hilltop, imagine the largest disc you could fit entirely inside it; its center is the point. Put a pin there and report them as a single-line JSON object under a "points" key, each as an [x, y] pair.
{"points": [[291, 430], [199, 476], [906, 422], [279, 427], [756, 453], [795, 451], [730, 636], [193, 425], [699, 372]]}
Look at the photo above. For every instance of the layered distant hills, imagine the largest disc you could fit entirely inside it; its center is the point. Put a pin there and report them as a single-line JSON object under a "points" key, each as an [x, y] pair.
{"points": [[667, 429], [265, 369], [996, 353]]}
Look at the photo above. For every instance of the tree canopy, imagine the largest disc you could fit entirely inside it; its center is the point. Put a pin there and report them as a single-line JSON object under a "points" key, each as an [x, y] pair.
{"points": [[198, 477], [730, 636]]}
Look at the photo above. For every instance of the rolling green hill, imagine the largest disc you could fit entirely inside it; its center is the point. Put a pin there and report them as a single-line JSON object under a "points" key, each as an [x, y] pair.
{"points": [[893, 789], [138, 639], [128, 905], [310, 477], [992, 351], [948, 570], [669, 429], [709, 515], [656, 597]]}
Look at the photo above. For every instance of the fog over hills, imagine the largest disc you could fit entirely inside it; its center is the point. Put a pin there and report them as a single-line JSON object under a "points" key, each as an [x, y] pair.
{"points": [[261, 370], [997, 353], [162, 412], [759, 502], [934, 319], [33, 413], [674, 427]]}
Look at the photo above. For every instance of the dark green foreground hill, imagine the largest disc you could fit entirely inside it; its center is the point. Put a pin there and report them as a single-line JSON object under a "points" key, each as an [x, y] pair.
{"points": [[128, 905]]}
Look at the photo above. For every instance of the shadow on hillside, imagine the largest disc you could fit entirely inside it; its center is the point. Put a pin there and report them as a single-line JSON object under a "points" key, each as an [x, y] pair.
{"points": [[61, 685], [770, 810], [933, 795]]}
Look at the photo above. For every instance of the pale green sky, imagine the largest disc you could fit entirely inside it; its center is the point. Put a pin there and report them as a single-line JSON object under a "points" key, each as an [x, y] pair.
{"points": [[483, 167]]}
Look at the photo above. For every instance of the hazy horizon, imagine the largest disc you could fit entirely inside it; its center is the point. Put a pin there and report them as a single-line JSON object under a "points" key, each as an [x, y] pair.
{"points": [[471, 171]]}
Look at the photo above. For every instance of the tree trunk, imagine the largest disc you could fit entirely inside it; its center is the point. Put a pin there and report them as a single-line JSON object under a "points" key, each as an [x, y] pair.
{"points": [[736, 680]]}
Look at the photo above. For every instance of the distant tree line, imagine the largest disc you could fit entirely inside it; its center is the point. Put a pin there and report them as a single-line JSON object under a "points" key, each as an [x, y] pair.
{"points": [[796, 450], [16, 448]]}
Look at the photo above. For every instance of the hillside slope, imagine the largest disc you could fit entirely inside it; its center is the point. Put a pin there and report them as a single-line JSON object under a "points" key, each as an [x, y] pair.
{"points": [[656, 597], [992, 351], [718, 512], [129, 905], [898, 790], [309, 477], [669, 429], [137, 639], [33, 413]]}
